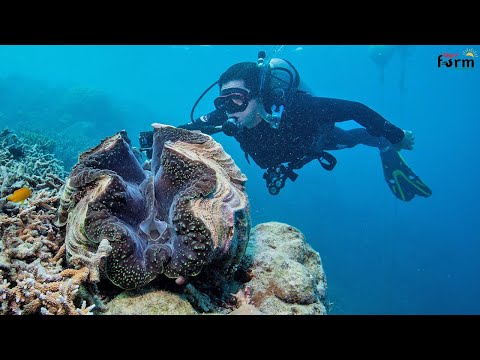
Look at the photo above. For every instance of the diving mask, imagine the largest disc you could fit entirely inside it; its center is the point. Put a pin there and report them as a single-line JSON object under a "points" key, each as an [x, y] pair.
{"points": [[233, 100]]}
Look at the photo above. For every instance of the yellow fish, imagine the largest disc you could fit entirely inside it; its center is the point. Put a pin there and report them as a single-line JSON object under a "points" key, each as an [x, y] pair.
{"points": [[20, 195]]}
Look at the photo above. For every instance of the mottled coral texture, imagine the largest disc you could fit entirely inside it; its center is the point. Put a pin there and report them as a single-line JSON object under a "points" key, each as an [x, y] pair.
{"points": [[287, 276], [188, 212], [33, 279]]}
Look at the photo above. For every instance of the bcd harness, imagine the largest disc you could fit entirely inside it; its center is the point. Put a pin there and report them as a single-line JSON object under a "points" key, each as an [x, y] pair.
{"points": [[275, 176]]}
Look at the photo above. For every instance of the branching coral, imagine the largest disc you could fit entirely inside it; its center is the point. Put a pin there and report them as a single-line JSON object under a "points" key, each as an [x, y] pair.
{"points": [[34, 280], [46, 144], [36, 168], [32, 274]]}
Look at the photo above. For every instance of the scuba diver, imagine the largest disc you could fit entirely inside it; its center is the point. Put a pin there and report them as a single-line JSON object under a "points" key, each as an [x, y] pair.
{"points": [[282, 127]]}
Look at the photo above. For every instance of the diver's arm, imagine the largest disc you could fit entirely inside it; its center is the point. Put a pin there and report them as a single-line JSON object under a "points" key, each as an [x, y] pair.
{"points": [[210, 123], [338, 110]]}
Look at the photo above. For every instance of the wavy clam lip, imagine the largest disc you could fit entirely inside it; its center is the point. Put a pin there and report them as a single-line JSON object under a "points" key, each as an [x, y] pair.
{"points": [[189, 212]]}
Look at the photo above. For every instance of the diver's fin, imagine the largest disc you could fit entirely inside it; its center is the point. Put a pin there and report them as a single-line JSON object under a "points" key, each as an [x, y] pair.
{"points": [[403, 182]]}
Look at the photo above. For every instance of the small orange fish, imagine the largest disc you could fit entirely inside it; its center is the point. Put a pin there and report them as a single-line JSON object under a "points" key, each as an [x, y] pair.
{"points": [[20, 195]]}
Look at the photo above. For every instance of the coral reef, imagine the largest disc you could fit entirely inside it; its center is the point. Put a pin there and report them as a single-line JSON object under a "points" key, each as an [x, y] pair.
{"points": [[35, 137], [277, 272], [150, 302], [32, 277], [188, 213], [286, 274], [25, 164], [244, 303]]}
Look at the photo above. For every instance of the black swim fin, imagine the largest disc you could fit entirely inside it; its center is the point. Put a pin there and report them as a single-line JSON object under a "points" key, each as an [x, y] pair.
{"points": [[403, 182]]}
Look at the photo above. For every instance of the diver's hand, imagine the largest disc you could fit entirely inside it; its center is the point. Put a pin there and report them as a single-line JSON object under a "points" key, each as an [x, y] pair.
{"points": [[407, 142]]}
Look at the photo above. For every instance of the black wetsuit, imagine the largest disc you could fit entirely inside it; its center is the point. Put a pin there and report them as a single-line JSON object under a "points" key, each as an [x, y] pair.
{"points": [[308, 124]]}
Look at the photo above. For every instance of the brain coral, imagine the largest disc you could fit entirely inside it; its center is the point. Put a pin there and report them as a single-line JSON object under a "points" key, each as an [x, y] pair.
{"points": [[188, 212]]}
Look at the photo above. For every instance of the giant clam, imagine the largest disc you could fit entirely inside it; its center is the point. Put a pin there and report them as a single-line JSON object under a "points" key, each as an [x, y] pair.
{"points": [[189, 212]]}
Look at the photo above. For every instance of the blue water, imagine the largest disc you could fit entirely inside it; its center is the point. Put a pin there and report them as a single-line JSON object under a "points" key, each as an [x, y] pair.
{"points": [[381, 255]]}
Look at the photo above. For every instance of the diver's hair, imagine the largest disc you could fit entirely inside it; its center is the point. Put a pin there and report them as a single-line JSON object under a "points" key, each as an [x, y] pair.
{"points": [[249, 72]]}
